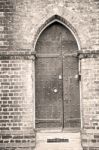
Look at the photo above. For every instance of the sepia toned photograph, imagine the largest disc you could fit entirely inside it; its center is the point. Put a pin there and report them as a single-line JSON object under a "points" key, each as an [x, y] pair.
{"points": [[49, 74]]}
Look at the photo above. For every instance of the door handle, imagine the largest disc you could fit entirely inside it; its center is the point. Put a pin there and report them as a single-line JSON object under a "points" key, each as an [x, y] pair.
{"points": [[55, 90], [60, 77]]}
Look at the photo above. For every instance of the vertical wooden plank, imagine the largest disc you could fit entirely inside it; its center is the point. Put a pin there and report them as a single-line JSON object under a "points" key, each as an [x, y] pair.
{"points": [[71, 92]]}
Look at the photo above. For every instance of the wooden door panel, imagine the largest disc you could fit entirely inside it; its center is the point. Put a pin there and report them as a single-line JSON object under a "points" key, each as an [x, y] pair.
{"points": [[50, 40], [71, 92], [48, 92]]}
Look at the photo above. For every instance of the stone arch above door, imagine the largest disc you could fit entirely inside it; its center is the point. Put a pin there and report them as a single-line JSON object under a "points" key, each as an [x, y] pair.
{"points": [[61, 20]]}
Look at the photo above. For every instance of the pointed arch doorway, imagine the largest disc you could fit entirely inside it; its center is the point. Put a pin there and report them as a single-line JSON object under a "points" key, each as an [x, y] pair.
{"points": [[57, 96]]}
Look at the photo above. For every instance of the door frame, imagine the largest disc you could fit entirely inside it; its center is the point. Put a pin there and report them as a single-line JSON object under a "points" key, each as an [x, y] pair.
{"points": [[79, 65]]}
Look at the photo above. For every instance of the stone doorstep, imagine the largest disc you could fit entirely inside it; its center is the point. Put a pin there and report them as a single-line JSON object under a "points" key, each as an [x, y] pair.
{"points": [[72, 143]]}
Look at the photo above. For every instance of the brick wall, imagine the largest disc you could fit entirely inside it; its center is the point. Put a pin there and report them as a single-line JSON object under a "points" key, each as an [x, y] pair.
{"points": [[16, 111], [90, 95], [16, 106], [20, 23], [6, 17]]}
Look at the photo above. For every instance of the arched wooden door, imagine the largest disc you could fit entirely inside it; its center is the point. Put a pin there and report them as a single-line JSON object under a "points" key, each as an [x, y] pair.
{"points": [[57, 86]]}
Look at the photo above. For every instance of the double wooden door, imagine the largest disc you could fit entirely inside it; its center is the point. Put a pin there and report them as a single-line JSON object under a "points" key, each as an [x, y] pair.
{"points": [[56, 74]]}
